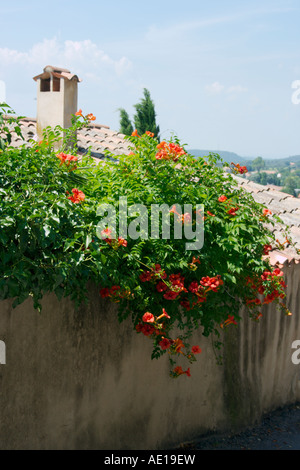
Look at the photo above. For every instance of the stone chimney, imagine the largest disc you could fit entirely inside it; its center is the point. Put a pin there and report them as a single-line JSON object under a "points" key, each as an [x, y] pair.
{"points": [[56, 98]]}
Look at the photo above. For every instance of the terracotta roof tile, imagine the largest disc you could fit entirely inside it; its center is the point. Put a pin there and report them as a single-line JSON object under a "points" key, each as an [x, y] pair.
{"points": [[284, 205], [97, 137], [56, 72]]}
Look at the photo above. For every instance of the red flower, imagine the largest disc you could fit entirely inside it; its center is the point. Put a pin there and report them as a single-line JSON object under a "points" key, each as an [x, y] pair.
{"points": [[266, 249], [194, 287], [232, 211], [79, 113], [165, 343], [185, 304], [230, 321], [145, 328], [212, 283], [196, 350], [105, 234], [155, 273], [122, 241], [146, 276], [67, 159], [177, 287], [239, 169], [266, 275], [148, 317], [222, 199], [91, 117], [105, 292], [78, 196], [267, 212], [171, 295], [114, 290], [243, 169], [261, 290], [277, 272], [179, 371], [169, 151], [135, 133], [186, 218], [174, 210], [150, 134], [178, 345], [164, 314], [159, 272], [209, 213], [175, 278]]}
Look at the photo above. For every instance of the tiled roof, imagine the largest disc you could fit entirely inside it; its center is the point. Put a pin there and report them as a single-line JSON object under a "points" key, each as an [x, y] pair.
{"points": [[96, 137], [286, 207]]}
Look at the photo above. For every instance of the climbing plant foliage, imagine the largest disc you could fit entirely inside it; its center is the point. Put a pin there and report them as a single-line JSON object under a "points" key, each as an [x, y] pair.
{"points": [[50, 239]]}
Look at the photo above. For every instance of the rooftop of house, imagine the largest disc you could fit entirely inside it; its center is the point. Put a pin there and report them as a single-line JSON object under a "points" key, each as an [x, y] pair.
{"points": [[287, 207], [98, 138]]}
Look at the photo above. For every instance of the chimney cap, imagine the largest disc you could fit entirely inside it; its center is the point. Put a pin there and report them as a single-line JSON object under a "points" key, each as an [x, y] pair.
{"points": [[51, 68], [57, 72]]}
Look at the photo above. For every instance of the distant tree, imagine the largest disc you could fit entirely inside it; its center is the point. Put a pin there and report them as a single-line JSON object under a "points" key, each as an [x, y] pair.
{"points": [[125, 123], [145, 117], [288, 190], [258, 163], [263, 178], [143, 120], [273, 179], [290, 184]]}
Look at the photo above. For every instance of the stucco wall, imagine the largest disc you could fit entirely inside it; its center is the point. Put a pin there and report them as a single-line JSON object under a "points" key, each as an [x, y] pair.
{"points": [[80, 380]]}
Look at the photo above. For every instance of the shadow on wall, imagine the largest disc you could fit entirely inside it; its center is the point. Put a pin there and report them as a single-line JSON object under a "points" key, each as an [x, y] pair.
{"points": [[80, 380]]}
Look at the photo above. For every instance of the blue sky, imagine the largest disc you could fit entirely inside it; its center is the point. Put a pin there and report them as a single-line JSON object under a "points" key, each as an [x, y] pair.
{"points": [[220, 73]]}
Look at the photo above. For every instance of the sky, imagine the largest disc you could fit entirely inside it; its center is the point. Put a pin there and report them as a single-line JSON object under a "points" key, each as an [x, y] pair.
{"points": [[223, 74]]}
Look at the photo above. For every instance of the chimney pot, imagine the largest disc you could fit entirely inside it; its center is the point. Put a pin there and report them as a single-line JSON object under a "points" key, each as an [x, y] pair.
{"points": [[57, 96]]}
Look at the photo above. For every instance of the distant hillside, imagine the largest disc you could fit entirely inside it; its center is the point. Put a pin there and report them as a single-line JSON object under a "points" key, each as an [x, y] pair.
{"points": [[235, 158], [224, 154], [281, 162]]}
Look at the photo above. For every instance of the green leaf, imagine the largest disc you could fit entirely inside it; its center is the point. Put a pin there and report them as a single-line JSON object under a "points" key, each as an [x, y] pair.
{"points": [[47, 230], [88, 240]]}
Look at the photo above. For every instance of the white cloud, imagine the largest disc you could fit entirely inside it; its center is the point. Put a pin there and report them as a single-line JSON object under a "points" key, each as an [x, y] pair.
{"points": [[122, 65], [11, 56], [2, 92], [236, 89], [215, 88], [75, 55]]}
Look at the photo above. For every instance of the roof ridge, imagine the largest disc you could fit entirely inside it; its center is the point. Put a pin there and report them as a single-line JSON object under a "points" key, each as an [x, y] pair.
{"points": [[264, 188]]}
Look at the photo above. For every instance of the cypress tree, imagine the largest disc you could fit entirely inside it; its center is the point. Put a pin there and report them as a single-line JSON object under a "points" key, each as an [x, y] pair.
{"points": [[145, 117], [125, 123]]}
